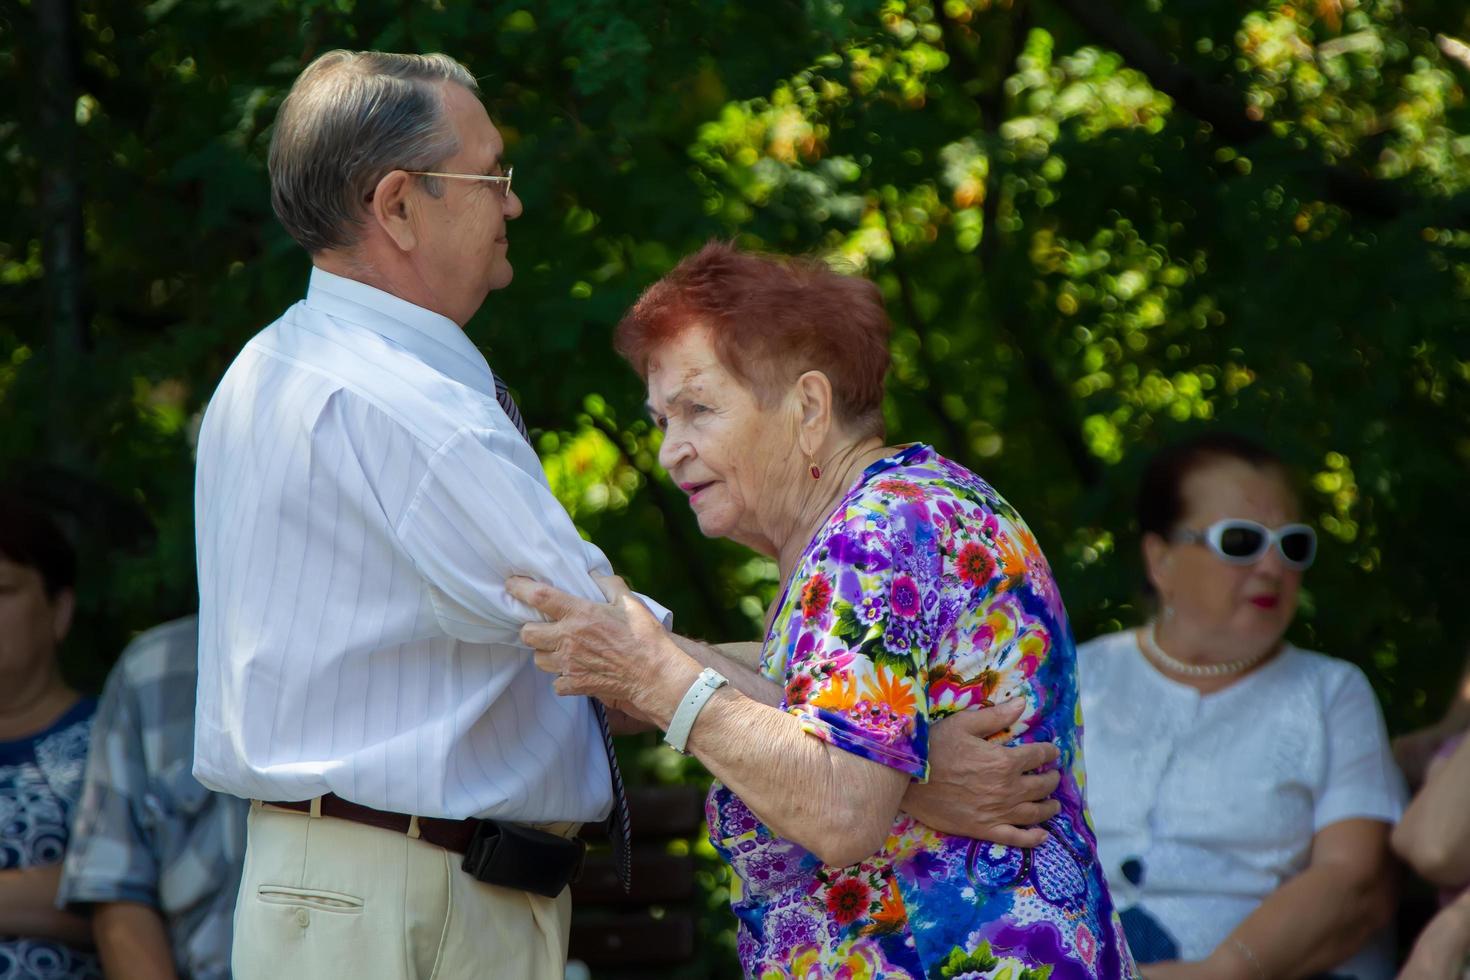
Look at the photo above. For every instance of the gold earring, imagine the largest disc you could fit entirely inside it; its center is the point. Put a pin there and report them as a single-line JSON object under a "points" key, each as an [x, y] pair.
{"points": [[816, 470]]}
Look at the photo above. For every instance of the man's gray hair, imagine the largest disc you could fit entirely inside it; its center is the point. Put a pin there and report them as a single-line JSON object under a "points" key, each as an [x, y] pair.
{"points": [[349, 119]]}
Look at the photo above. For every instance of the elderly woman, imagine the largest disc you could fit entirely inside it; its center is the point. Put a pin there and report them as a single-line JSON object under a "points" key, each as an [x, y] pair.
{"points": [[1242, 789], [910, 591], [44, 728]]}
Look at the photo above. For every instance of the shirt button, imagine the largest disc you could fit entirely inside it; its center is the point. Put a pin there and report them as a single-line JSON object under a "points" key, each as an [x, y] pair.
{"points": [[303, 918]]}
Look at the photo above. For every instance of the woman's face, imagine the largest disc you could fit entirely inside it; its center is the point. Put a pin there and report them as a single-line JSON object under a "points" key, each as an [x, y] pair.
{"points": [[737, 460], [31, 625], [1239, 609]]}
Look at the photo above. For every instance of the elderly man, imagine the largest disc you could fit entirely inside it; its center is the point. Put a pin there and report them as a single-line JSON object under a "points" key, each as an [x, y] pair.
{"points": [[364, 490]]}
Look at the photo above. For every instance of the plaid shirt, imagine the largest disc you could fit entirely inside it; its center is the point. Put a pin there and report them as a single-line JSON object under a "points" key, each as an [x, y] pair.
{"points": [[145, 830]]}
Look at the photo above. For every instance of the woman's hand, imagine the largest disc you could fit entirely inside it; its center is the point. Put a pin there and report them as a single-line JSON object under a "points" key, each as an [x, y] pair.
{"points": [[983, 790], [1442, 951], [604, 650], [28, 907]]}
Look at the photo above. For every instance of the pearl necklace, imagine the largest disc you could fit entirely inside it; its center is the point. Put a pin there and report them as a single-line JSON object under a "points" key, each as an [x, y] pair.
{"points": [[1156, 653]]}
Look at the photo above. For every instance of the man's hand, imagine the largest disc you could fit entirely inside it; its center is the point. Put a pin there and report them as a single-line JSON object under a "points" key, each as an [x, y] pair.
{"points": [[132, 942], [983, 790]]}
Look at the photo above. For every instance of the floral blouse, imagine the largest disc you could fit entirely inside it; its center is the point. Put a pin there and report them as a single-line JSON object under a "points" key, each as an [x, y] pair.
{"points": [[924, 594]]}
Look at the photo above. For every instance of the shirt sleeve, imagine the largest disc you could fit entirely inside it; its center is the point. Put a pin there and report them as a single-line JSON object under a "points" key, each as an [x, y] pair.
{"points": [[483, 513], [1362, 780], [854, 677], [108, 858]]}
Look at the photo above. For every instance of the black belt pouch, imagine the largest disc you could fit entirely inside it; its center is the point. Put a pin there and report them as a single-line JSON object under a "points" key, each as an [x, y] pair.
{"points": [[530, 860]]}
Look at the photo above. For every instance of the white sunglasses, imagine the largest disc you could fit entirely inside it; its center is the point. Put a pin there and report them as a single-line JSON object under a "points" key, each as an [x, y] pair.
{"points": [[1242, 542]]}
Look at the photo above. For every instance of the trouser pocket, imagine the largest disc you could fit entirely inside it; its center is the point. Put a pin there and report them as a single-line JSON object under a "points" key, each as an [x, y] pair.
{"points": [[311, 898]]}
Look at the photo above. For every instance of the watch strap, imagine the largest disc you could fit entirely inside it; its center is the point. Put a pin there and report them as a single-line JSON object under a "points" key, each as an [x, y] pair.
{"points": [[705, 685]]}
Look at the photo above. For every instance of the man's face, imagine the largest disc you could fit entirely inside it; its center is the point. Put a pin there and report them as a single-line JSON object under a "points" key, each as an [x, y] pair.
{"points": [[462, 234]]}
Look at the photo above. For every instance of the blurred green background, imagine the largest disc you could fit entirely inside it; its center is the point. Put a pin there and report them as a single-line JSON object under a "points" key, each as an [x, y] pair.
{"points": [[1099, 226]]}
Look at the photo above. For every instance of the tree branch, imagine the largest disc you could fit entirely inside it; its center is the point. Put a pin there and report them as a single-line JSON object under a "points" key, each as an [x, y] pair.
{"points": [[1223, 109], [1454, 48]]}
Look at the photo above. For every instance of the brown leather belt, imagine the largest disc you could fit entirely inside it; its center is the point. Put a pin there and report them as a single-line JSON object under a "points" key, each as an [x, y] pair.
{"points": [[452, 835]]}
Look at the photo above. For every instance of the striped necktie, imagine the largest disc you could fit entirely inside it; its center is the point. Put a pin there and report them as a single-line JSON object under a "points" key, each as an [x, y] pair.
{"points": [[619, 823]]}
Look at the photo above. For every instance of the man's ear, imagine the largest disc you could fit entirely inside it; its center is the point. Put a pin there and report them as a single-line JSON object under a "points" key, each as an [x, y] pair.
{"points": [[814, 400], [391, 208]]}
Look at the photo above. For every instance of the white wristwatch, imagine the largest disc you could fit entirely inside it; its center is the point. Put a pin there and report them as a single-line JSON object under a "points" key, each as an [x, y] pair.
{"points": [[707, 683]]}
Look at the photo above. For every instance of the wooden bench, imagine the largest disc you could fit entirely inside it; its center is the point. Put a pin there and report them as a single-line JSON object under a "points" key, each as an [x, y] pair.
{"points": [[651, 929]]}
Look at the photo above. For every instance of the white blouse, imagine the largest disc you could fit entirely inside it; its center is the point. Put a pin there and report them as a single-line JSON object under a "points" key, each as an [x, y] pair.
{"points": [[1217, 796]]}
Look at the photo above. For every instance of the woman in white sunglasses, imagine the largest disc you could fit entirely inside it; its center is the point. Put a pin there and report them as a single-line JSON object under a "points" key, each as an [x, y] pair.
{"points": [[1243, 789]]}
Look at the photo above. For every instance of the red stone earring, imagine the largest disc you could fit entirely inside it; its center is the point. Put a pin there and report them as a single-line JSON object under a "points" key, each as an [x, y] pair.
{"points": [[816, 470]]}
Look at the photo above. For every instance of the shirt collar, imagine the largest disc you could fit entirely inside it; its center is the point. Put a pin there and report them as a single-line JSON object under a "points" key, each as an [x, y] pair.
{"points": [[428, 336]]}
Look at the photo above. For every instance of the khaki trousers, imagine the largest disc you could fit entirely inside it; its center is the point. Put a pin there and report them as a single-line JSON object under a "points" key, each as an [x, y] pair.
{"points": [[322, 897]]}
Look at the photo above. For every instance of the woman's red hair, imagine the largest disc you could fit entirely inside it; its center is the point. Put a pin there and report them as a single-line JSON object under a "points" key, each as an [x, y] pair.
{"points": [[771, 320]]}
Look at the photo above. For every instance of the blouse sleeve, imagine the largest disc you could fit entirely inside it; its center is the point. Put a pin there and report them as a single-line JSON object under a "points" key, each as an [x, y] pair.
{"points": [[1361, 778], [859, 644]]}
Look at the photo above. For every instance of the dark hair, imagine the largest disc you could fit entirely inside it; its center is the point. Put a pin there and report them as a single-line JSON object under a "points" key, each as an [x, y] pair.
{"points": [[29, 537], [1161, 491], [771, 319]]}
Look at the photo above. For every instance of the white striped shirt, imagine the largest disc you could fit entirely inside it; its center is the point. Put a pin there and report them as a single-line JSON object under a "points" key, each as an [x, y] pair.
{"points": [[360, 499]]}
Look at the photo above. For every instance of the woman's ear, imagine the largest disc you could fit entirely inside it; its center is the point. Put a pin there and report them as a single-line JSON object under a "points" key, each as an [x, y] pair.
{"points": [[63, 607], [814, 400], [1158, 561], [391, 208]]}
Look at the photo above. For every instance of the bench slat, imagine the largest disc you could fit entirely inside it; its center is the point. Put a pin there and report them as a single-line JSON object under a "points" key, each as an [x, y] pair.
{"points": [[658, 812], [657, 878], [633, 939]]}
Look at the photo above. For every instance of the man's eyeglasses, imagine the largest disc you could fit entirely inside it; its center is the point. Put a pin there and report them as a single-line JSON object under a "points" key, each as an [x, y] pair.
{"points": [[502, 179], [1242, 542]]}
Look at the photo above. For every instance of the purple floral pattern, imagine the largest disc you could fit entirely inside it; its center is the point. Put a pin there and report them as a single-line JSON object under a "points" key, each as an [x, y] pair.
{"points": [[923, 595]]}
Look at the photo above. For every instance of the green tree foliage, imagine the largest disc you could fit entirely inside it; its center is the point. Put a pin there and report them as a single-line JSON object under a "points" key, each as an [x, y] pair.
{"points": [[1099, 226]]}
